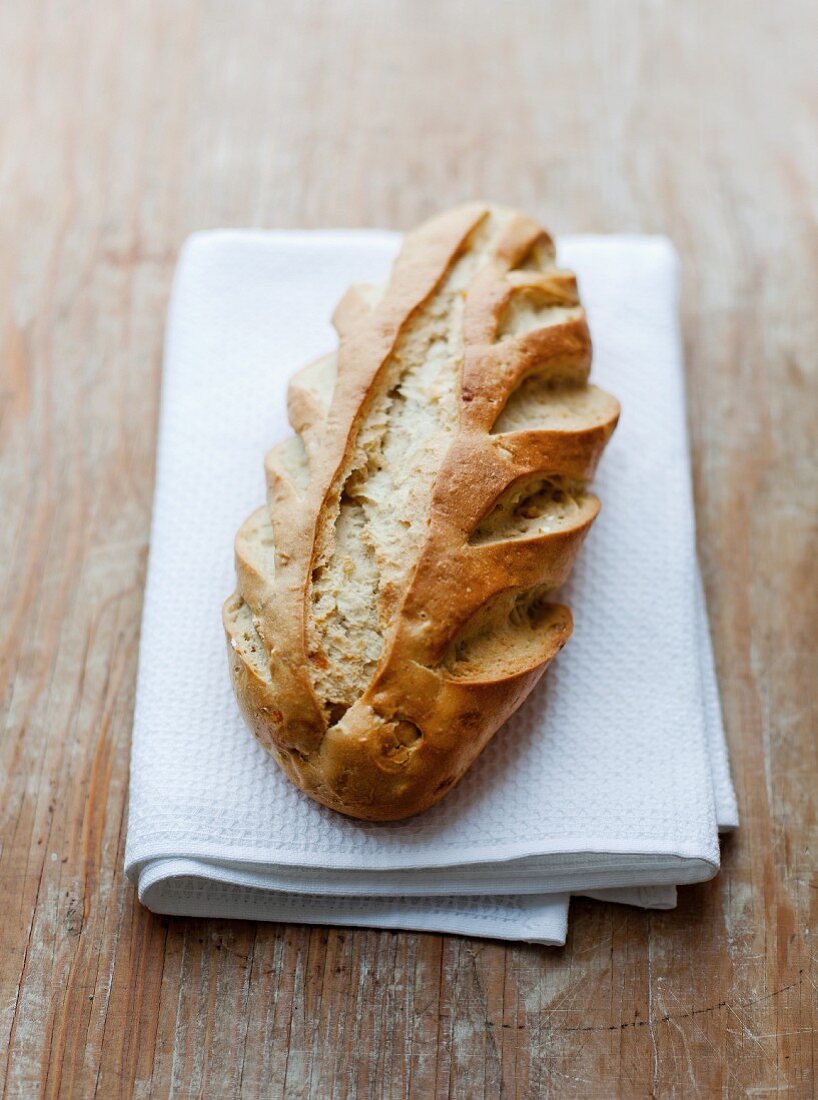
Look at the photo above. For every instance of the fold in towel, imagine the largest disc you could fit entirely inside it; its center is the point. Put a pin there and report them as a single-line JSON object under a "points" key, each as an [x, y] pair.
{"points": [[612, 779]]}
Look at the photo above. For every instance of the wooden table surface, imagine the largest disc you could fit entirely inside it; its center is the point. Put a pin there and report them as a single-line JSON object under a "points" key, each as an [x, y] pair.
{"points": [[123, 127]]}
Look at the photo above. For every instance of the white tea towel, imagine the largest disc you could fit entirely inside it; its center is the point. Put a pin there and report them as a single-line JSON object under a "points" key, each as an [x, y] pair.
{"points": [[613, 775]]}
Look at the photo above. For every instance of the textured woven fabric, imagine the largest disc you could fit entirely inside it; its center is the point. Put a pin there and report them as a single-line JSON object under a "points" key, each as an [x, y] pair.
{"points": [[612, 776]]}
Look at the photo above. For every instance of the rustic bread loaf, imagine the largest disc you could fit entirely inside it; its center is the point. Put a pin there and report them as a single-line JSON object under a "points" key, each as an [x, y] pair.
{"points": [[392, 606]]}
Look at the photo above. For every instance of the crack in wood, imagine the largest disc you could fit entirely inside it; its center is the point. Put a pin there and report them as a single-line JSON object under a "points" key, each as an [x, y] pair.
{"points": [[673, 1017]]}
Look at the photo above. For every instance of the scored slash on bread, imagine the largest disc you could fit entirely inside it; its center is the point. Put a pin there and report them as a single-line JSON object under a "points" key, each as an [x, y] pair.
{"points": [[393, 597]]}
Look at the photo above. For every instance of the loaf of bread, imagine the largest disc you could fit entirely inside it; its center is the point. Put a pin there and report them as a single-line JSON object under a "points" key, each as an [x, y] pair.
{"points": [[393, 605]]}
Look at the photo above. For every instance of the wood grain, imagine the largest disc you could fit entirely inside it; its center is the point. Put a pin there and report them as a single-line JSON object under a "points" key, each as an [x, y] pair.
{"points": [[124, 126]]}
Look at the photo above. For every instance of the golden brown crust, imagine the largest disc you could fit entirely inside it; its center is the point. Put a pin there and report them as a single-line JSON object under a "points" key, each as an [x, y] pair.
{"points": [[465, 631]]}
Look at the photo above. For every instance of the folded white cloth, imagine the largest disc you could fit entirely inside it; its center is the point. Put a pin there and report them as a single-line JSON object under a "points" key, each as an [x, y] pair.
{"points": [[612, 779]]}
